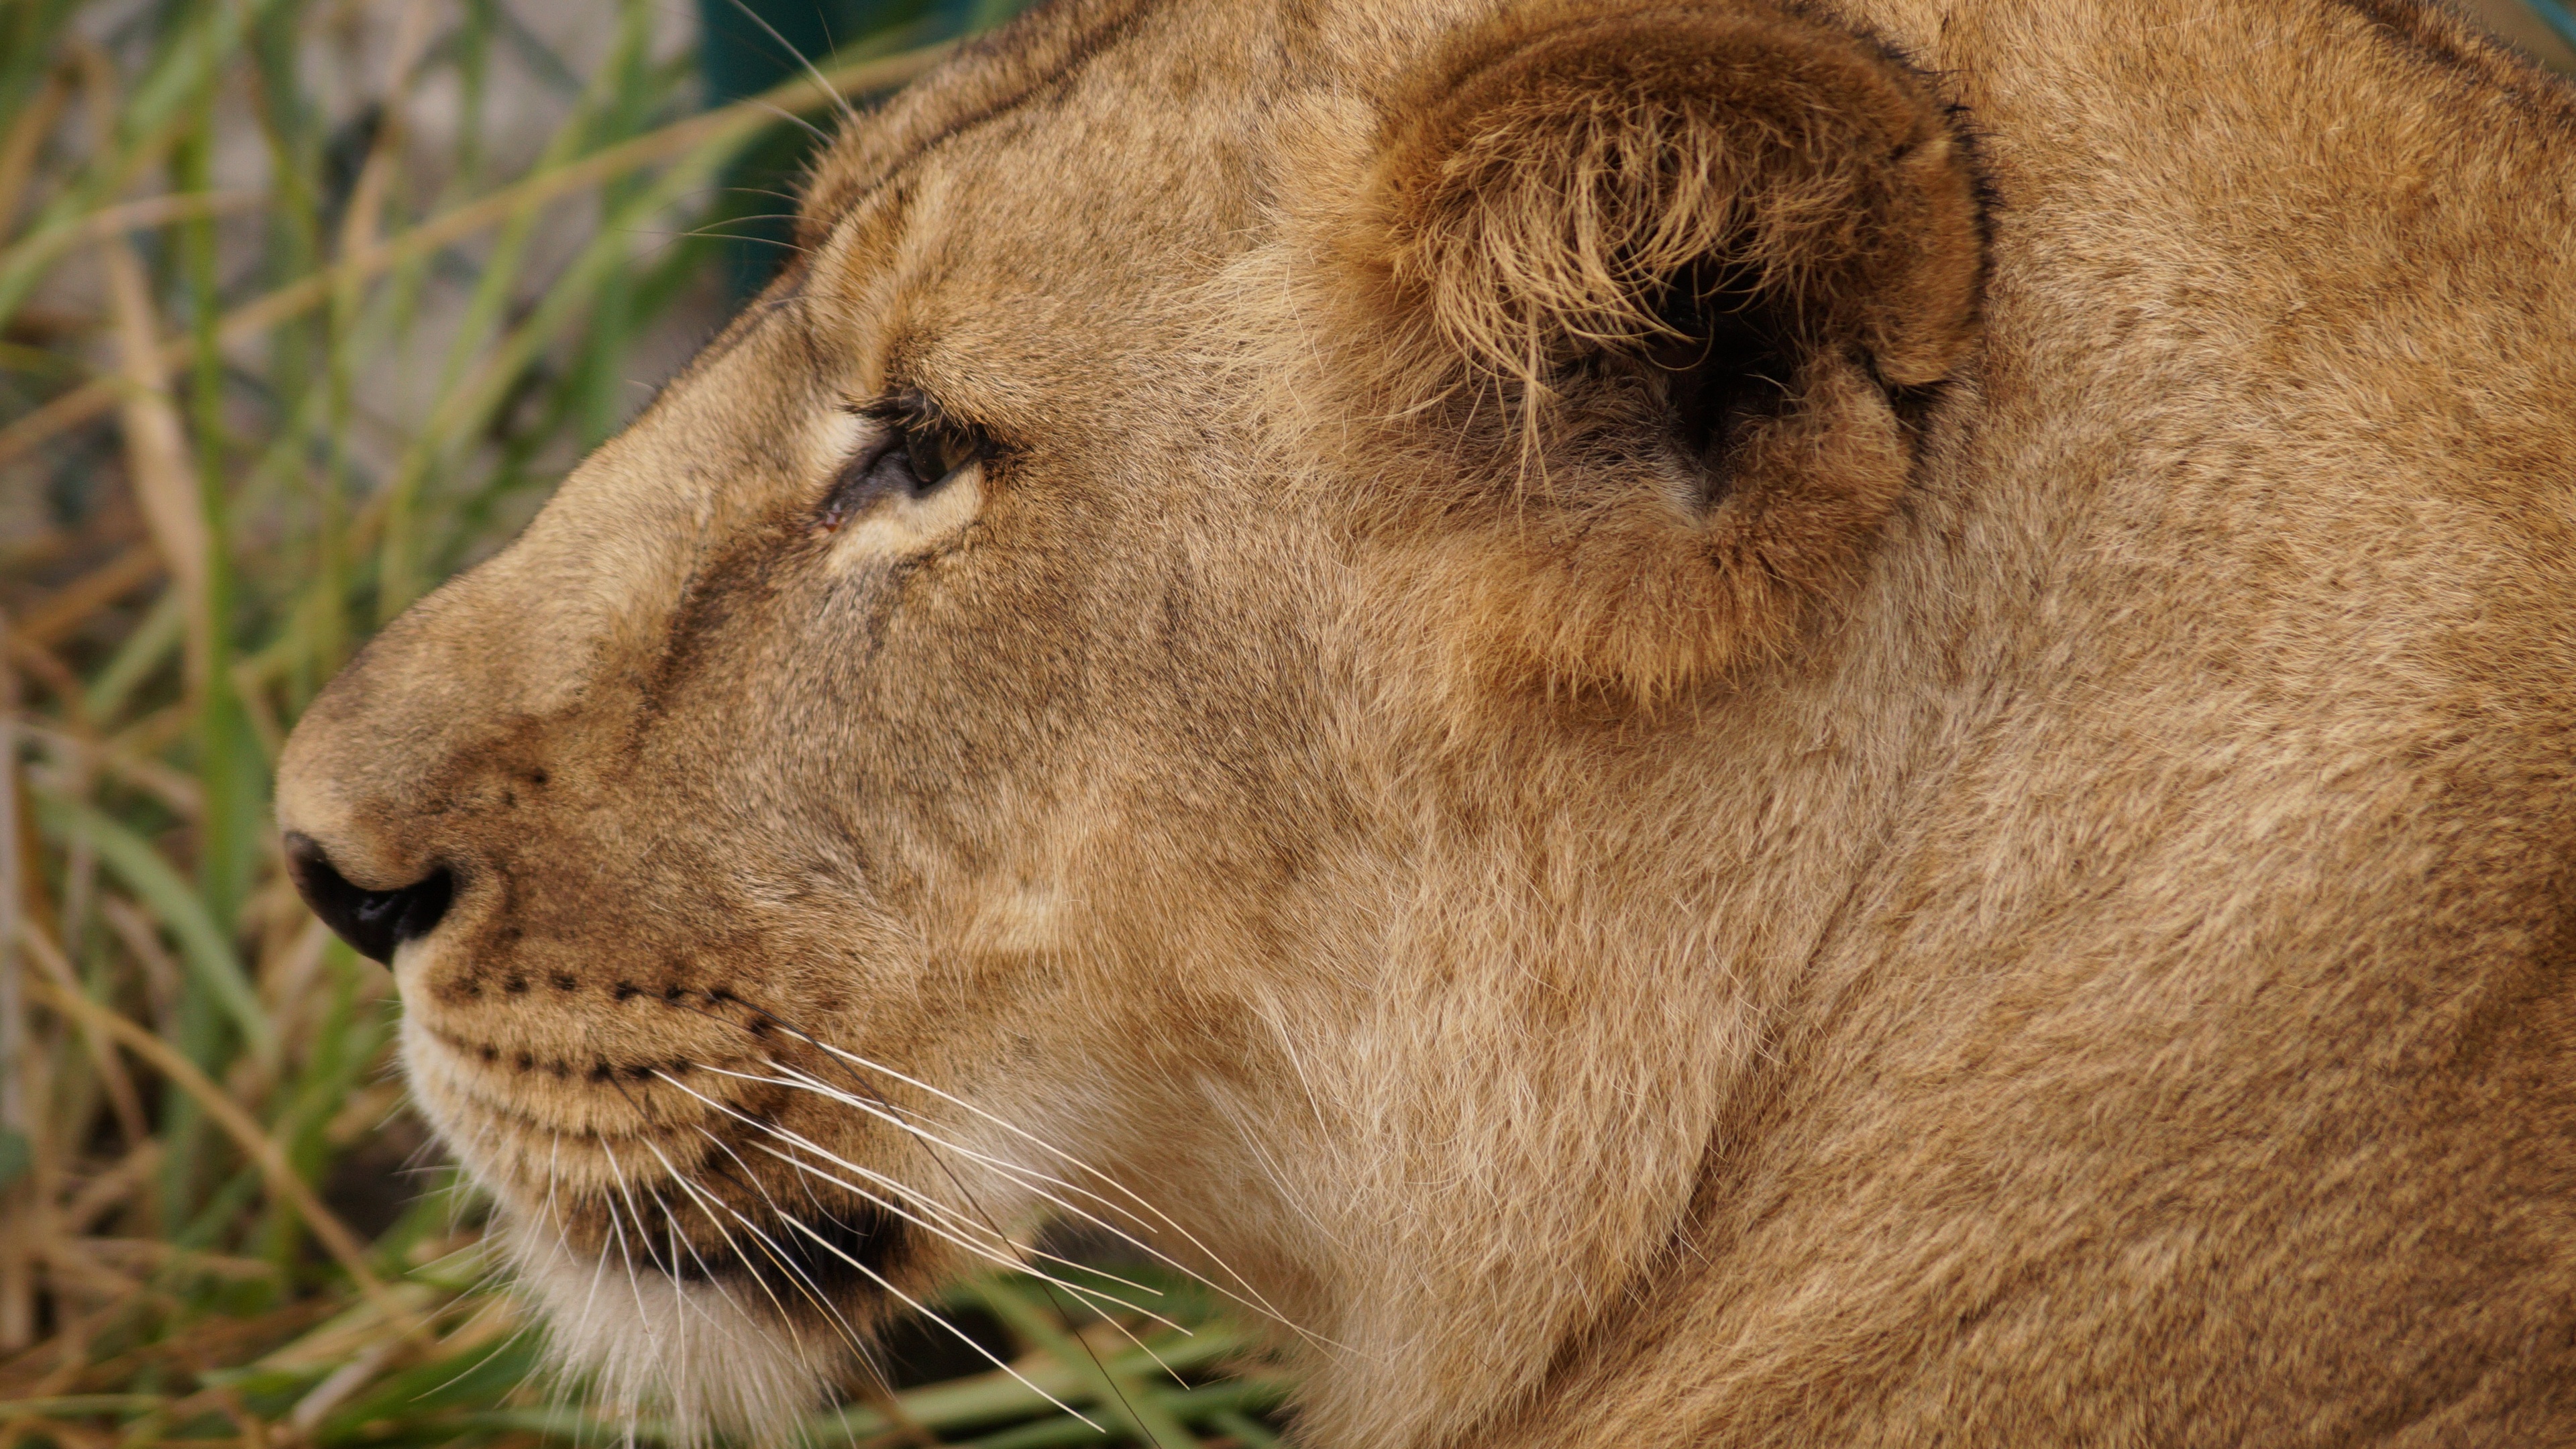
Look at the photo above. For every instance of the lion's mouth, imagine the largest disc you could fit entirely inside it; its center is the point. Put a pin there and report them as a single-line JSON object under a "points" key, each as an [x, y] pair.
{"points": [[692, 1172], [759, 1208]]}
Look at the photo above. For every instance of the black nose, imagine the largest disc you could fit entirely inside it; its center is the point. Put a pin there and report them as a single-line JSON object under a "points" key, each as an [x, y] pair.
{"points": [[373, 921]]}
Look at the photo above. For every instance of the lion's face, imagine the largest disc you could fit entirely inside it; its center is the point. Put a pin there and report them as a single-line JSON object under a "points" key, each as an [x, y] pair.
{"points": [[925, 692], [1383, 617]]}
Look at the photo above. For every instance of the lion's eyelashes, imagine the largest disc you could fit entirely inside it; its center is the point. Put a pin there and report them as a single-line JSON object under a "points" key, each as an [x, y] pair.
{"points": [[918, 449]]}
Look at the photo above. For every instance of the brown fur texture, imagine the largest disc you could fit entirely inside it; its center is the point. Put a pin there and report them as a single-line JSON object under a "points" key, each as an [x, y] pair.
{"points": [[1705, 724]]}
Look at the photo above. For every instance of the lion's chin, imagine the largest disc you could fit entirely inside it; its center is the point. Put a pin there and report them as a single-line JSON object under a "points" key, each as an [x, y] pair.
{"points": [[691, 1353]]}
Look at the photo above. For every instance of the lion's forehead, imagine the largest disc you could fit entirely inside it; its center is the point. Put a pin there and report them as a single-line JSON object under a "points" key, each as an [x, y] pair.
{"points": [[1049, 104]]}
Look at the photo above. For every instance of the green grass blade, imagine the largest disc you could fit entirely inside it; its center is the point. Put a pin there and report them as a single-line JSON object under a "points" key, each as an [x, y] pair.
{"points": [[167, 895]]}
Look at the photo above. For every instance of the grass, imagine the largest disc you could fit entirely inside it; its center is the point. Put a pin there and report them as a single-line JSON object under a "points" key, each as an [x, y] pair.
{"points": [[305, 304]]}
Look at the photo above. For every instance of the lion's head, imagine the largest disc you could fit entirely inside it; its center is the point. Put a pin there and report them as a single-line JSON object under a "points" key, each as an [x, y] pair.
{"points": [[1726, 721]]}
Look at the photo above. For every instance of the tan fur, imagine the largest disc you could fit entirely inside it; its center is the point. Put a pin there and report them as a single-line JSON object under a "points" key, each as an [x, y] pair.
{"points": [[2010, 880]]}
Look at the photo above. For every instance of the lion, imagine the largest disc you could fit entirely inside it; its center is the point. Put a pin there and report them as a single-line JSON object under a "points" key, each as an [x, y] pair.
{"points": [[1708, 721]]}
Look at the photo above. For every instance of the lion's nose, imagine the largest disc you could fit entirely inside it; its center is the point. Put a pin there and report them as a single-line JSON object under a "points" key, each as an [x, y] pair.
{"points": [[375, 922]]}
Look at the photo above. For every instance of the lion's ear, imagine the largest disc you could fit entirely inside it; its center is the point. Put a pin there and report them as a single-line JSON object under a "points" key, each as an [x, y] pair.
{"points": [[1713, 249], [1617, 180]]}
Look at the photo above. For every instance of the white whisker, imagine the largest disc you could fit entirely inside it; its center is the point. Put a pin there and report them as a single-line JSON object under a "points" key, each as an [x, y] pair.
{"points": [[804, 1281], [873, 1276], [698, 1199], [1018, 1263], [680, 1240], [598, 1270], [1024, 1177], [877, 1103], [962, 1337], [617, 1173], [1021, 1255], [1020, 1252], [886, 1111], [1036, 1141]]}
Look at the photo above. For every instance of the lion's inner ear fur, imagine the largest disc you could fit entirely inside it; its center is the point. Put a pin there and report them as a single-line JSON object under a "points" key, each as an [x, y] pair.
{"points": [[1670, 273]]}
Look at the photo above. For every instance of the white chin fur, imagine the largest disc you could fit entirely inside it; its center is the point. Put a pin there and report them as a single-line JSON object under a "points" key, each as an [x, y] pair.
{"points": [[650, 1347]]}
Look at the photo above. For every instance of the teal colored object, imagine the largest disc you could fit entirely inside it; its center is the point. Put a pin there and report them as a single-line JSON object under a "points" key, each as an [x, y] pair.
{"points": [[748, 46], [2557, 16]]}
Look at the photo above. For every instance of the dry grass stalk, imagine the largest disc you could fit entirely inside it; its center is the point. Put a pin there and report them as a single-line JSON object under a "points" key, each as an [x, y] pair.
{"points": [[156, 446], [255, 1143]]}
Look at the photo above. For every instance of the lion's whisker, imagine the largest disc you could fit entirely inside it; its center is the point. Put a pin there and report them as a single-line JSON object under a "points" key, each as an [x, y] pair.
{"points": [[676, 1241], [690, 1190], [805, 1283], [848, 1333], [1028, 1178], [697, 1200], [1036, 1252], [1022, 1255], [916, 1306], [812, 1290], [599, 1269], [908, 1121], [644, 1316], [680, 1334], [1039, 1142], [872, 1275], [1025, 1177], [1018, 1263], [1130, 1335], [919, 1198], [1014, 1129], [489, 1307], [1019, 1251], [946, 1230], [554, 1175], [879, 1106]]}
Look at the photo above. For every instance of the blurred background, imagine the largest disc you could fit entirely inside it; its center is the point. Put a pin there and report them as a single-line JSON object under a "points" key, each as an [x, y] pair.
{"points": [[305, 304]]}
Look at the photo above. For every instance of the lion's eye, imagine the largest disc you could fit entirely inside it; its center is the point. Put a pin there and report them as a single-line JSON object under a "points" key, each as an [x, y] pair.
{"points": [[935, 453], [914, 457]]}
